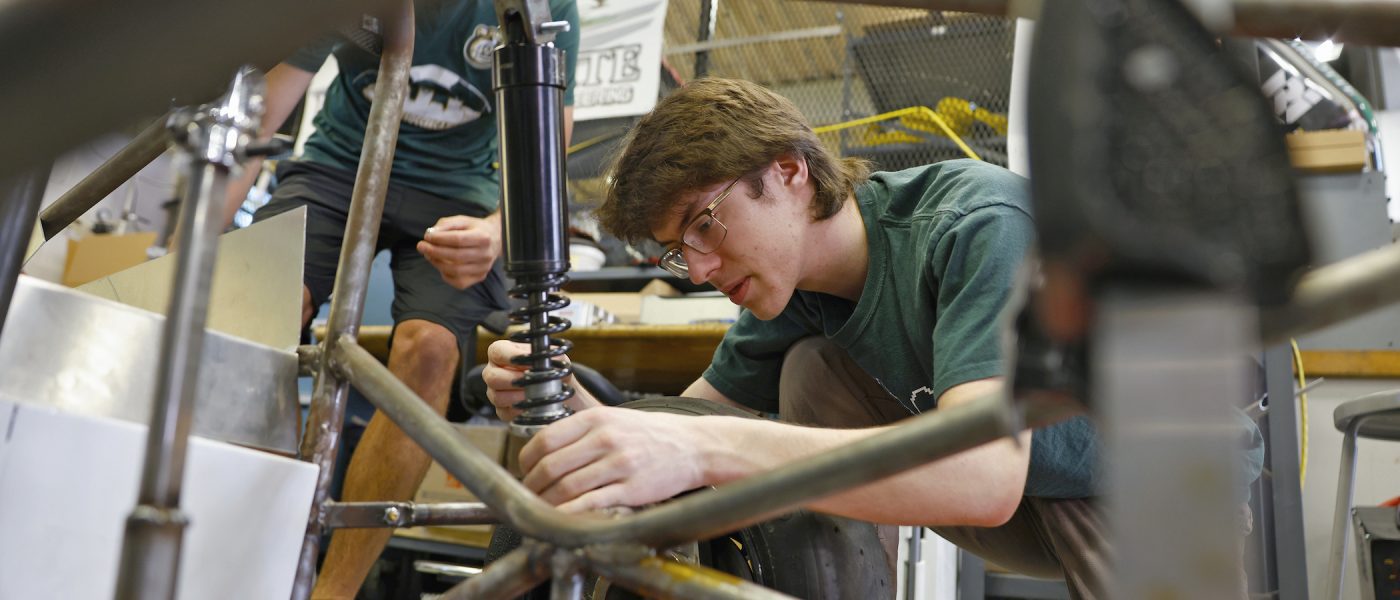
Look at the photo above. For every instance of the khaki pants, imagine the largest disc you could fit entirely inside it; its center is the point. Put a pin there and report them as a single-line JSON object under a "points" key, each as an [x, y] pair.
{"points": [[1047, 538]]}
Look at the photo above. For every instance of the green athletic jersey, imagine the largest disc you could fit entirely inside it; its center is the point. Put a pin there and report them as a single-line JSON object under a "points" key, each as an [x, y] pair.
{"points": [[945, 242], [448, 140]]}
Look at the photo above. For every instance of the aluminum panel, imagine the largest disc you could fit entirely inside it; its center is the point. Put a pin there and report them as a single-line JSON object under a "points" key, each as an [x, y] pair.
{"points": [[257, 282], [93, 356]]}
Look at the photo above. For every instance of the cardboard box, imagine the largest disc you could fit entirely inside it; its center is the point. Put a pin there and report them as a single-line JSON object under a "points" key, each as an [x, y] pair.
{"points": [[1332, 151], [440, 486], [99, 255]]}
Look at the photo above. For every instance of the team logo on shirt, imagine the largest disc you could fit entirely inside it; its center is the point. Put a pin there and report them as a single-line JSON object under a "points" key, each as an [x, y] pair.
{"points": [[920, 398], [480, 45], [438, 99]]}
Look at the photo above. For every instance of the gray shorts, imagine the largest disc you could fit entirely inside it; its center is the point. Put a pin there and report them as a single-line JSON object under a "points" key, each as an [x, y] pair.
{"points": [[419, 291]]}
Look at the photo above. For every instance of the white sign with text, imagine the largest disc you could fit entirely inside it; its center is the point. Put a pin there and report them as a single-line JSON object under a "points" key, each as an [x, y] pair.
{"points": [[619, 62]]}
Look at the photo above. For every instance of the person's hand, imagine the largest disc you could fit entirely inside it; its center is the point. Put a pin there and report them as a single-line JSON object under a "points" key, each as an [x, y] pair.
{"points": [[609, 457], [462, 248], [500, 375]]}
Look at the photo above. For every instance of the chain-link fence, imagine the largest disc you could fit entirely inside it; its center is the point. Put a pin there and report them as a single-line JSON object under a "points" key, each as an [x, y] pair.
{"points": [[941, 80], [842, 62]]}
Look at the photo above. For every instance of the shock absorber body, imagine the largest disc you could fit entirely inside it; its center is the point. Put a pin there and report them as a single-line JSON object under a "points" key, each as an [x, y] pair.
{"points": [[529, 82]]}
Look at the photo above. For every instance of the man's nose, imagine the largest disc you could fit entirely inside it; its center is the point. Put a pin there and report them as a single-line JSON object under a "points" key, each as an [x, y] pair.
{"points": [[700, 266]]}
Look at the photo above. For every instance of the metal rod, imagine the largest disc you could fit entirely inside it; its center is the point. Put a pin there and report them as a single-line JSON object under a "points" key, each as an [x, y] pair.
{"points": [[986, 7], [154, 531], [919, 440], [18, 206], [348, 515], [322, 438], [1360, 22], [184, 334], [660, 578], [914, 565], [1281, 517], [777, 36], [510, 576], [1346, 485], [922, 439], [709, 13], [1335, 293], [431, 567], [120, 168]]}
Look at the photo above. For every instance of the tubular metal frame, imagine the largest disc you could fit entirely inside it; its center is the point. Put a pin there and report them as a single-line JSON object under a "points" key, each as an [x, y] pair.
{"points": [[213, 136], [621, 549], [322, 438], [1341, 514], [125, 164], [1360, 22]]}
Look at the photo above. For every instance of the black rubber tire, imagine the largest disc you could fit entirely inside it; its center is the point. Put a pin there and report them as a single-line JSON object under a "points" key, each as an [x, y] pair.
{"points": [[802, 554]]}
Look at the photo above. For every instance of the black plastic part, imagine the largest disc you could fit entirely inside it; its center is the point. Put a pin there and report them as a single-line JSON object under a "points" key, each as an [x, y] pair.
{"points": [[19, 209], [1043, 364], [1155, 158], [529, 84]]}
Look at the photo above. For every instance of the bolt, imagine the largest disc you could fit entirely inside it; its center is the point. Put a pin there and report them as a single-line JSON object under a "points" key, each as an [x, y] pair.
{"points": [[391, 515], [554, 27]]}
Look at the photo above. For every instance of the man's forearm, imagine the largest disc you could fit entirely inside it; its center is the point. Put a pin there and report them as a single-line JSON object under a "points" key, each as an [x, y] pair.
{"points": [[977, 487]]}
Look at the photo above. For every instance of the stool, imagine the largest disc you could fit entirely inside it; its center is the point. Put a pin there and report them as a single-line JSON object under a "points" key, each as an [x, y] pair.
{"points": [[1375, 416]]}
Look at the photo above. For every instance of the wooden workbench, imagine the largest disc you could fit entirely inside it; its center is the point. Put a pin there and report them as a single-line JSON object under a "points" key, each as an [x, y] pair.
{"points": [[1380, 364], [646, 358]]}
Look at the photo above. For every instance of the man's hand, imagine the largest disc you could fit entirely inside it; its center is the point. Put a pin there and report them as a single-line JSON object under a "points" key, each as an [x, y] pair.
{"points": [[463, 248], [500, 375], [609, 457]]}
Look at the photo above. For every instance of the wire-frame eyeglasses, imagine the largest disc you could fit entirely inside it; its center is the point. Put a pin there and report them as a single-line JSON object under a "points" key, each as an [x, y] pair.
{"points": [[703, 234]]}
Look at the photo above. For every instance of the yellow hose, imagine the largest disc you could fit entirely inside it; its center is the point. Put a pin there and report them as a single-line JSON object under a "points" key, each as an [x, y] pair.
{"points": [[920, 112]]}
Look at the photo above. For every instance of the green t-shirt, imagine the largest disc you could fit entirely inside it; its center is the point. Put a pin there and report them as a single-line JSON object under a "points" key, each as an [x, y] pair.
{"points": [[448, 141], [945, 241]]}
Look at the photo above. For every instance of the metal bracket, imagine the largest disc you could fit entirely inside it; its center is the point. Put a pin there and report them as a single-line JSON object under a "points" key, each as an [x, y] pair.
{"points": [[540, 28], [220, 133]]}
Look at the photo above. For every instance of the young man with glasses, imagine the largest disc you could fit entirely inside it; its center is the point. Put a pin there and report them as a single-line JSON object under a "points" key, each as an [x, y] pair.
{"points": [[869, 298]]}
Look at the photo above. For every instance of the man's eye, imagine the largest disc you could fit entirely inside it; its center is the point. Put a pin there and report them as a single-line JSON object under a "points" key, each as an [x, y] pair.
{"points": [[704, 225]]}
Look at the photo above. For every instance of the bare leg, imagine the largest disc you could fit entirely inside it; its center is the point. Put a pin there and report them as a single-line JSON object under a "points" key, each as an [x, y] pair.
{"points": [[306, 308], [388, 465]]}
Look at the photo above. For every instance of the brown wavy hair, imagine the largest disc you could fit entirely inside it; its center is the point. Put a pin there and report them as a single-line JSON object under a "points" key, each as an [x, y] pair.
{"points": [[711, 131]]}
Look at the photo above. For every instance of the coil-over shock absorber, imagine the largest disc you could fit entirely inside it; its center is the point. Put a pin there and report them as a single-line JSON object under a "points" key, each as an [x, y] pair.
{"points": [[529, 82]]}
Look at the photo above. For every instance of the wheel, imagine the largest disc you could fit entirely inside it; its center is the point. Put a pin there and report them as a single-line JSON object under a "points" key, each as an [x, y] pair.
{"points": [[802, 554]]}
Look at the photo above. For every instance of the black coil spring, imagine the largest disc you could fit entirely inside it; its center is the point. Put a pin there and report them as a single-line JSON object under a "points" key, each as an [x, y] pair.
{"points": [[528, 288]]}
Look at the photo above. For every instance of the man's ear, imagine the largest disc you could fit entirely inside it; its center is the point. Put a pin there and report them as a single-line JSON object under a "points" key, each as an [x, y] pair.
{"points": [[791, 169]]}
